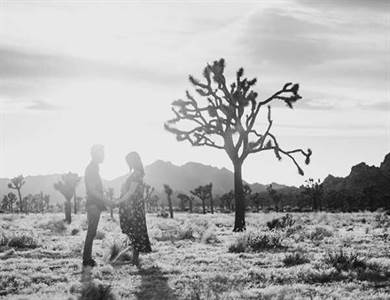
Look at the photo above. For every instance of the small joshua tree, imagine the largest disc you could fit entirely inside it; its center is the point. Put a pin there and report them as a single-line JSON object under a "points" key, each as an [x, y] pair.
{"points": [[226, 120], [169, 191], [183, 200], [148, 191], [16, 184], [67, 186], [275, 196], [203, 192], [257, 200], [314, 190]]}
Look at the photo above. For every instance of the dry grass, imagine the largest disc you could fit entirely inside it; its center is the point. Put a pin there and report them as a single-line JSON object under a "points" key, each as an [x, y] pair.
{"points": [[191, 258]]}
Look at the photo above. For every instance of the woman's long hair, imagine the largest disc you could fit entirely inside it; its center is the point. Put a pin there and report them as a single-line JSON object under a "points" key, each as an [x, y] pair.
{"points": [[134, 161]]}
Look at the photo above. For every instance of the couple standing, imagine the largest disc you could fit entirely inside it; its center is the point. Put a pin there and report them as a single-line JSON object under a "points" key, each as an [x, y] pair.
{"points": [[131, 205]]}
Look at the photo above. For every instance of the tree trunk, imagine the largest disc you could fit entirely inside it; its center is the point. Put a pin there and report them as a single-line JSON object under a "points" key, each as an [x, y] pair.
{"points": [[170, 206], [68, 211], [75, 202], [211, 204], [204, 206], [239, 223], [20, 201], [190, 204]]}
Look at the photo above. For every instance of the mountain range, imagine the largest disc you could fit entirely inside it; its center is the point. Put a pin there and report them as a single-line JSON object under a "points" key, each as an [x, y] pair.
{"points": [[181, 178]]}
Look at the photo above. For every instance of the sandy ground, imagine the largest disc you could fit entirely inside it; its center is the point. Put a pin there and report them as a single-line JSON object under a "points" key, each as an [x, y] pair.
{"points": [[191, 258]]}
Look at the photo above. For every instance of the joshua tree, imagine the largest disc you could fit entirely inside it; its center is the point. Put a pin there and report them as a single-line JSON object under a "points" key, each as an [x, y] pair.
{"points": [[256, 199], [183, 199], [190, 201], [16, 184], [154, 202], [5, 203], [66, 186], [314, 190], [169, 191], [110, 197], [275, 196], [148, 191], [226, 120], [203, 192], [227, 200]]}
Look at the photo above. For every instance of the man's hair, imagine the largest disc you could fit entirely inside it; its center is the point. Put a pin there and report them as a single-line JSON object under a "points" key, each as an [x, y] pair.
{"points": [[96, 149]]}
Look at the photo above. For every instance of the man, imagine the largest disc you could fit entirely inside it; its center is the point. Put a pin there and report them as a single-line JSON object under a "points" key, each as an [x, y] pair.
{"points": [[95, 201]]}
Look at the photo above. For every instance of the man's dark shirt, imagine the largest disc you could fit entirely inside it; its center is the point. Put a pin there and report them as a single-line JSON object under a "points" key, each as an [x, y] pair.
{"points": [[93, 185]]}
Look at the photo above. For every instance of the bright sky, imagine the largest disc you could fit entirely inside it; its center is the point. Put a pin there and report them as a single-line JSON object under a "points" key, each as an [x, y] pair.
{"points": [[77, 73]]}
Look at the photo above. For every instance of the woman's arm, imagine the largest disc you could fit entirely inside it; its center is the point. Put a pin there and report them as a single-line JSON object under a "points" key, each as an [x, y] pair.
{"points": [[125, 197]]}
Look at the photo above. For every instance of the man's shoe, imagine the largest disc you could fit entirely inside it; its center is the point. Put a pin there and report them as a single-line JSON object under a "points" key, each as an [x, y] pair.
{"points": [[89, 263]]}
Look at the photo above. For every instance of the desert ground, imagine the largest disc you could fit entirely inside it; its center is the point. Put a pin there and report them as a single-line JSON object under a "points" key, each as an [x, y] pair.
{"points": [[307, 256]]}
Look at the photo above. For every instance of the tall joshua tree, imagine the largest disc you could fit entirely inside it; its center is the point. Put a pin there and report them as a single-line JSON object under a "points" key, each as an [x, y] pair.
{"points": [[67, 186], [169, 191], [16, 184], [226, 120]]}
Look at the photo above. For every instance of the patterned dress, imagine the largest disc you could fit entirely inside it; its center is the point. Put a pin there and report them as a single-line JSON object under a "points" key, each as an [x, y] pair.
{"points": [[132, 215]]}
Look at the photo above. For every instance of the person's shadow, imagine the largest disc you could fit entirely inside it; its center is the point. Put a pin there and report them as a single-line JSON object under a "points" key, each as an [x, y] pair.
{"points": [[154, 284]]}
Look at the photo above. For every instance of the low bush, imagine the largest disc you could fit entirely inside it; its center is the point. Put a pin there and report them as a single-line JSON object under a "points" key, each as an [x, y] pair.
{"points": [[163, 214], [295, 259], [93, 291], [281, 223], [319, 233], [23, 241], [343, 261], [255, 242], [56, 226]]}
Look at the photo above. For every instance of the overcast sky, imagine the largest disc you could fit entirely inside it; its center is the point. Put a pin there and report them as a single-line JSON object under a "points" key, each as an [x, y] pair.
{"points": [[74, 74]]}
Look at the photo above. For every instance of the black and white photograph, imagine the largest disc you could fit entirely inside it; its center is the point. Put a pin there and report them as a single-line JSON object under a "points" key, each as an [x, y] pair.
{"points": [[194, 149]]}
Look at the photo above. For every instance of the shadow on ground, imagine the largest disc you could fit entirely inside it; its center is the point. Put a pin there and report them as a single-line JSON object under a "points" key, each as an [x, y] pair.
{"points": [[154, 285]]}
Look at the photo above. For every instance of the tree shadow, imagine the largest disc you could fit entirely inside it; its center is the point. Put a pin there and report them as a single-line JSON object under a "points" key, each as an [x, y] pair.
{"points": [[154, 284]]}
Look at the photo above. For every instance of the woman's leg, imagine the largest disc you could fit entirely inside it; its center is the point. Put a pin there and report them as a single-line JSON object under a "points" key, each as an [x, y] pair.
{"points": [[135, 256]]}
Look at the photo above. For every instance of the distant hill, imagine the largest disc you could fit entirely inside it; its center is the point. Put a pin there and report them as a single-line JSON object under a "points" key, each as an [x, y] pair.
{"points": [[181, 178], [364, 184]]}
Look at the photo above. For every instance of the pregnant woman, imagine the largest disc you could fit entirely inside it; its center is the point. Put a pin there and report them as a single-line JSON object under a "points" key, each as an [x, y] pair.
{"points": [[132, 209]]}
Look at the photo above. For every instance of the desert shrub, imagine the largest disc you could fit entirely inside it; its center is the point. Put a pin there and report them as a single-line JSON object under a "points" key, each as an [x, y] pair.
{"points": [[295, 259], [256, 242], [100, 235], [163, 214], [381, 220], [23, 241], [57, 226], [93, 291], [265, 241], [3, 239], [209, 236], [240, 244], [321, 276], [281, 223], [320, 233], [343, 261], [293, 229], [115, 248], [75, 231]]}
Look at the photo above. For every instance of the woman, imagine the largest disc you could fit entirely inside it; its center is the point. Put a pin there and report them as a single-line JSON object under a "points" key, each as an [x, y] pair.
{"points": [[132, 208]]}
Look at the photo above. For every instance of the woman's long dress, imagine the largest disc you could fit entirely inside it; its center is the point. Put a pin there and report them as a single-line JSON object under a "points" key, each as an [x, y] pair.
{"points": [[132, 215]]}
